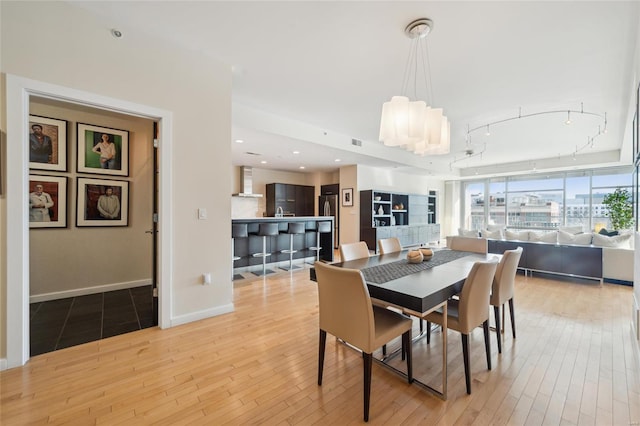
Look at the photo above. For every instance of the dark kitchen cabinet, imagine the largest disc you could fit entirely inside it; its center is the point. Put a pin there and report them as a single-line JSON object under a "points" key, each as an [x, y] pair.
{"points": [[295, 200]]}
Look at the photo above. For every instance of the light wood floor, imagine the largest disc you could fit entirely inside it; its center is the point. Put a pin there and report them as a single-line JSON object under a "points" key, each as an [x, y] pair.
{"points": [[573, 362]]}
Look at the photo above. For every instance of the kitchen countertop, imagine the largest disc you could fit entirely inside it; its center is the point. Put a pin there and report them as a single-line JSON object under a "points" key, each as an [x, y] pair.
{"points": [[283, 219]]}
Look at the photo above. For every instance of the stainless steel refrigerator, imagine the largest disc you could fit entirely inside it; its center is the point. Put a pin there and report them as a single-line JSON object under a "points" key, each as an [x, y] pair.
{"points": [[328, 206]]}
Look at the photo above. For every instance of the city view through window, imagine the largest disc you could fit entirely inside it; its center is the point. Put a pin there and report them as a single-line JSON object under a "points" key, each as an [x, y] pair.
{"points": [[543, 201]]}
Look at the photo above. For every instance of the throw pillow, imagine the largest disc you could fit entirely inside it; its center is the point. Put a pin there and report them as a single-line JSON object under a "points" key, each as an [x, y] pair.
{"points": [[467, 233], [495, 235], [544, 237], [578, 239], [607, 233], [494, 228], [619, 241], [516, 235], [576, 229]]}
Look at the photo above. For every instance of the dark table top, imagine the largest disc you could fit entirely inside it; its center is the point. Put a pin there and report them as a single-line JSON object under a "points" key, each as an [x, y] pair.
{"points": [[420, 291]]}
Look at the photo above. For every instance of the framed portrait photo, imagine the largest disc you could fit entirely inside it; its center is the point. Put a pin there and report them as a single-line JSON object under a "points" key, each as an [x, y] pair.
{"points": [[103, 150], [47, 144], [102, 202], [347, 197], [47, 201]]}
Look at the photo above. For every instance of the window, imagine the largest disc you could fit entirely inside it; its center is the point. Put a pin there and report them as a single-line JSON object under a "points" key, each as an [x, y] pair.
{"points": [[497, 203], [534, 202], [543, 201], [474, 206], [604, 183], [577, 188]]}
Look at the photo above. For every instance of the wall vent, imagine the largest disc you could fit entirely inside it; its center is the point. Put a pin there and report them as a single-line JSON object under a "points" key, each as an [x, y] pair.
{"points": [[356, 142]]}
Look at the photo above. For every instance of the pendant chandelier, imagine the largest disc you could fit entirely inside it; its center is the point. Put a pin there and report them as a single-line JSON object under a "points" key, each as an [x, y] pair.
{"points": [[414, 125]]}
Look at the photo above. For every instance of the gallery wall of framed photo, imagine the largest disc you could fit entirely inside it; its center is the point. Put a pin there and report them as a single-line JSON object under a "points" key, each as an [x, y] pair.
{"points": [[90, 196]]}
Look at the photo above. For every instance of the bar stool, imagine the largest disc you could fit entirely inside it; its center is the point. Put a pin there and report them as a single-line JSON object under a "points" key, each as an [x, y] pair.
{"points": [[292, 229], [238, 230], [321, 228], [265, 230]]}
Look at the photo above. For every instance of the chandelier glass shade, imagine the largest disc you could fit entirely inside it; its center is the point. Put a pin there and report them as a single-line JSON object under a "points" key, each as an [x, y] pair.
{"points": [[414, 125]]}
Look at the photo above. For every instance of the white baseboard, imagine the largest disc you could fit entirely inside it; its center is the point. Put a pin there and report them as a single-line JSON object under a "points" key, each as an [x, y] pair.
{"points": [[87, 290], [3, 364], [207, 313]]}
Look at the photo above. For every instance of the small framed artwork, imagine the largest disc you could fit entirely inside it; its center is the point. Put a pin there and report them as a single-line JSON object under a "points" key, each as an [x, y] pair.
{"points": [[347, 197], [103, 150], [47, 201], [47, 144], [102, 202]]}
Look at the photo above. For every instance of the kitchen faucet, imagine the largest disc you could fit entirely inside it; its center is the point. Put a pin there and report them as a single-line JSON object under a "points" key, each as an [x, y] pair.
{"points": [[279, 212]]}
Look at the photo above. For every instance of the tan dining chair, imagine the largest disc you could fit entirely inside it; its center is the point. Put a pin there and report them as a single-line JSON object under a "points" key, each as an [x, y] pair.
{"points": [[389, 245], [470, 311], [353, 251], [392, 245], [502, 290], [345, 310], [360, 250], [475, 245]]}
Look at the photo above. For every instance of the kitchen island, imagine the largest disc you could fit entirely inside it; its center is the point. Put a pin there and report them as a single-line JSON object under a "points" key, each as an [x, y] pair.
{"points": [[246, 247]]}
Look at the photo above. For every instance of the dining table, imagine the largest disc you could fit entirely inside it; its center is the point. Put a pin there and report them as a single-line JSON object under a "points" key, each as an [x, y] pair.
{"points": [[417, 289]]}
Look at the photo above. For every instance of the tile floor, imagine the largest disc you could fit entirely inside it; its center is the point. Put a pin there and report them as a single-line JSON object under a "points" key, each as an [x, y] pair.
{"points": [[61, 323]]}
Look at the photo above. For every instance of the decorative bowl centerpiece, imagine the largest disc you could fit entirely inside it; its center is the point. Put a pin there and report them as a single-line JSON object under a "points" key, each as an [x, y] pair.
{"points": [[415, 256], [427, 253], [378, 198]]}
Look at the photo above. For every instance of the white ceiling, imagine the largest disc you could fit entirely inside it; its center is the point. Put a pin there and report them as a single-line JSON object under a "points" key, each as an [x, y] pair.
{"points": [[331, 65]]}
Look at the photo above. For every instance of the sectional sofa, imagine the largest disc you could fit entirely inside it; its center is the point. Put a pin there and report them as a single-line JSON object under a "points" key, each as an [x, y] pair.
{"points": [[565, 251]]}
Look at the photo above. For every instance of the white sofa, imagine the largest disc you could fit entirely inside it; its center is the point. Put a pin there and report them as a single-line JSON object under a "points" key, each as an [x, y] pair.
{"points": [[617, 264], [617, 260]]}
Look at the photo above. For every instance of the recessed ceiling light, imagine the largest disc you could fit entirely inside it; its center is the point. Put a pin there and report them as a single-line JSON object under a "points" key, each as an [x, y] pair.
{"points": [[302, 167], [296, 152], [337, 160], [239, 141], [263, 162]]}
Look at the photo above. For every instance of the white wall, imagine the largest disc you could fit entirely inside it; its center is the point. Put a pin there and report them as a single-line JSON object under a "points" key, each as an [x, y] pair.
{"points": [[390, 180], [452, 205], [61, 44], [636, 287]]}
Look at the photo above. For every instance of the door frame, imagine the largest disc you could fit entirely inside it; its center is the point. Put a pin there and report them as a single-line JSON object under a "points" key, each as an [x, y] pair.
{"points": [[18, 92]]}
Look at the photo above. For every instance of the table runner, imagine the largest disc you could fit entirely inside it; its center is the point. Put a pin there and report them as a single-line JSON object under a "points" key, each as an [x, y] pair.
{"points": [[391, 271]]}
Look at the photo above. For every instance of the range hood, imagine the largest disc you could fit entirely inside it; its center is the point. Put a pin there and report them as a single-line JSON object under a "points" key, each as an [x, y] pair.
{"points": [[246, 183]]}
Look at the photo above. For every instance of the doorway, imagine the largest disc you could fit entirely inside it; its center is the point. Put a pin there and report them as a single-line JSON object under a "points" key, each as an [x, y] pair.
{"points": [[91, 279], [18, 94]]}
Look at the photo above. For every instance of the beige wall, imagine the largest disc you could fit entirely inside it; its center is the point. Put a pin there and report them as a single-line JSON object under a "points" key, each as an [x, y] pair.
{"points": [[3, 222], [77, 259], [73, 49], [349, 216]]}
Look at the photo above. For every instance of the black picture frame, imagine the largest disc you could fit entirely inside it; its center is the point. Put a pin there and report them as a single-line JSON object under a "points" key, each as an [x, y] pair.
{"points": [[94, 211], [54, 191], [347, 197], [90, 156], [48, 150]]}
